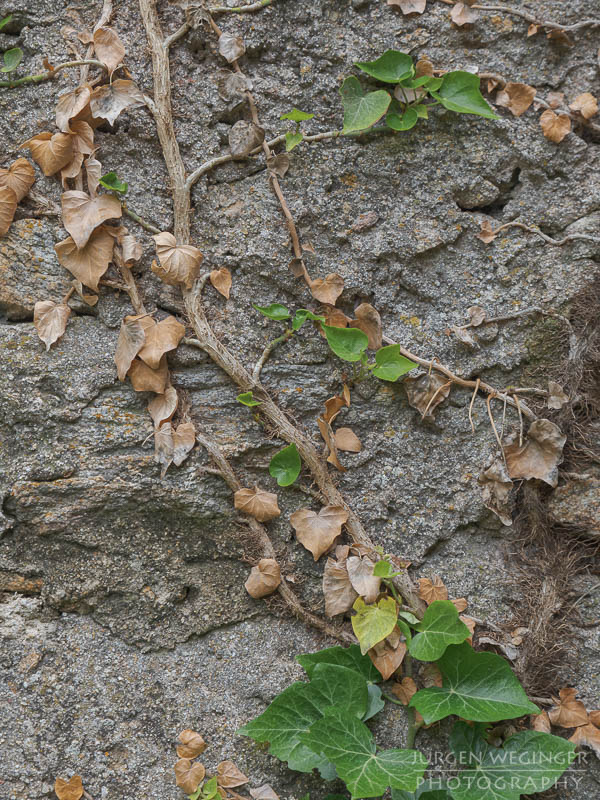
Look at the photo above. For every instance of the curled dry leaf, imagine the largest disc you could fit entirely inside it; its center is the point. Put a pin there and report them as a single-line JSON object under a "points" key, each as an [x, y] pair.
{"points": [[179, 264], [264, 578], [555, 99], [463, 335], [423, 67], [586, 104], [232, 85], [431, 590], [387, 658], [462, 14], [68, 790], [347, 440], [317, 532], [82, 214], [569, 712], [8, 207], [163, 447], [426, 392], [161, 409], [50, 151], [327, 290], [184, 439], [409, 6], [90, 299], [192, 744], [517, 97], [231, 47], [470, 623], [496, 488], [69, 105], [109, 100], [229, 776], [333, 407], [588, 736], [360, 572], [83, 138], [109, 48], [279, 165], [188, 776], [477, 315], [334, 317], [93, 171], [556, 396], [221, 280], [50, 320], [554, 126], [161, 338], [264, 792], [594, 717], [541, 722], [459, 603], [369, 322], [19, 177], [329, 439], [132, 250], [130, 342], [259, 504], [539, 455], [244, 137], [88, 263], [145, 379], [405, 690], [337, 589], [486, 233]]}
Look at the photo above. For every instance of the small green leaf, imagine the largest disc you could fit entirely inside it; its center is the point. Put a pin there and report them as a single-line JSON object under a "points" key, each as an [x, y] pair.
{"points": [[210, 789], [302, 315], [405, 629], [349, 657], [361, 110], [424, 792], [4, 22], [285, 465], [296, 115], [422, 112], [275, 311], [372, 623], [346, 343], [410, 618], [477, 686], [383, 569], [12, 59], [247, 399], [292, 139], [375, 702], [459, 92], [112, 182], [390, 365], [402, 122], [196, 794], [391, 67], [439, 628]]}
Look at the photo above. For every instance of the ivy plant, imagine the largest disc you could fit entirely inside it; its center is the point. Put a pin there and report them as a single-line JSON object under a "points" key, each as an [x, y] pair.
{"points": [[295, 137]]}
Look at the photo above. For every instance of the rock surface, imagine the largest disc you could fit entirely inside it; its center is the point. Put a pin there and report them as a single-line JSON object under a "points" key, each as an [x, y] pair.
{"points": [[142, 626]]}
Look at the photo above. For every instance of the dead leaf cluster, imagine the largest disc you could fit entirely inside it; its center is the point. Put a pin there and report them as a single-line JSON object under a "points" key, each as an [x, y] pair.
{"points": [[568, 712]]}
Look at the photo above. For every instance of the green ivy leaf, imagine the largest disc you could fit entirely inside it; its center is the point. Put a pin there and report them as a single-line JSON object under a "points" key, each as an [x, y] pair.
{"points": [[346, 343], [275, 311], [210, 789], [372, 623], [477, 686], [112, 182], [247, 399], [348, 744], [390, 365], [391, 67], [292, 139], [529, 761], [410, 618], [296, 115], [459, 92], [299, 706], [302, 315], [383, 569], [424, 792], [285, 465], [4, 22], [12, 59], [439, 628], [422, 112], [349, 657], [362, 110], [402, 122], [375, 702]]}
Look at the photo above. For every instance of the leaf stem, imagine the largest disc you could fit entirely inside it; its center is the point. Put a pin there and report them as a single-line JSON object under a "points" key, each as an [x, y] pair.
{"points": [[47, 76], [146, 225], [267, 352]]}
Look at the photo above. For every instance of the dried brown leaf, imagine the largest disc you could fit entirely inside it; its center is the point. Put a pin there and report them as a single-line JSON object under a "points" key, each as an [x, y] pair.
{"points": [[109, 48], [589, 736], [426, 392], [184, 439], [460, 604], [586, 104], [145, 379], [88, 263], [93, 171], [161, 409], [423, 67], [8, 207], [68, 790], [556, 396], [496, 488], [470, 623], [594, 717], [462, 14], [19, 177], [463, 335], [568, 712], [539, 455], [430, 590], [333, 406], [232, 85], [327, 290], [532, 29], [259, 504], [477, 315], [229, 776], [188, 776], [131, 249], [221, 280], [555, 127], [486, 234], [517, 97], [51, 152], [264, 792], [334, 317], [90, 299], [179, 264], [163, 447], [409, 6], [329, 439], [264, 578], [369, 322], [192, 744], [386, 659], [360, 572], [318, 532], [50, 320], [347, 440], [560, 36], [82, 214], [431, 676], [279, 165], [404, 690], [541, 722], [555, 99], [108, 101], [231, 47], [337, 589], [83, 138], [69, 105], [130, 342], [161, 338], [244, 137]]}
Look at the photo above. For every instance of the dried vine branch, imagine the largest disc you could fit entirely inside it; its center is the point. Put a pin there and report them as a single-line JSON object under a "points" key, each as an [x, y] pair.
{"points": [[533, 20], [571, 237], [51, 73]]}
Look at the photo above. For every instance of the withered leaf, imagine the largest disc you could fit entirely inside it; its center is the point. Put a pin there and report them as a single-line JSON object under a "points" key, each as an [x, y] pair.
{"points": [[19, 177], [88, 263], [360, 572], [188, 776], [586, 104], [83, 138], [232, 85], [486, 234], [334, 317], [145, 379], [184, 439], [8, 207], [555, 99], [68, 790], [423, 67], [539, 455], [279, 165], [82, 214], [430, 590], [264, 792], [109, 48], [560, 36], [179, 264], [259, 504], [130, 342], [90, 299], [369, 322], [163, 447], [431, 676], [264, 578], [161, 409], [462, 14], [69, 105], [50, 320], [589, 736], [109, 100], [161, 338], [50, 151], [532, 29], [409, 6], [554, 126], [329, 439], [244, 137], [318, 532], [459, 603], [517, 97], [333, 406], [386, 659], [231, 47], [463, 335], [556, 396], [221, 280], [337, 589], [93, 171], [327, 290], [569, 712], [541, 722], [426, 392], [192, 744], [347, 440], [470, 623], [404, 690], [594, 717], [229, 776], [477, 315], [496, 488]]}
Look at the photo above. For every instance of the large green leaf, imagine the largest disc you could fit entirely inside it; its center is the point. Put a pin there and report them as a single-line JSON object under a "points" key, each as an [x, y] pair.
{"points": [[529, 761], [460, 92], [347, 742], [300, 705], [12, 59], [285, 465], [390, 365], [439, 628], [372, 623], [362, 110], [476, 686], [391, 67], [347, 343], [349, 657], [275, 311]]}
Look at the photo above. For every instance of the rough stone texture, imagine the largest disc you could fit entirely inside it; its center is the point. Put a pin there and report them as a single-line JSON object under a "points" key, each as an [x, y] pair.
{"points": [[577, 502], [142, 578]]}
